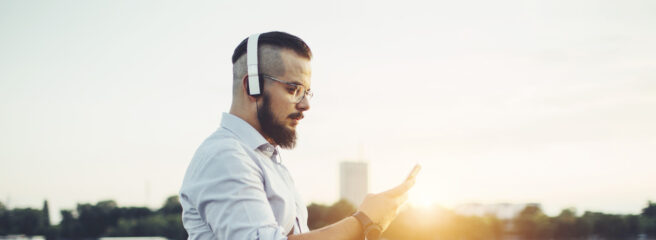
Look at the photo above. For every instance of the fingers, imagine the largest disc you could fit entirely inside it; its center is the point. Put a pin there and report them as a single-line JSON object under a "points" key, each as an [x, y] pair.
{"points": [[401, 199], [401, 189], [414, 171]]}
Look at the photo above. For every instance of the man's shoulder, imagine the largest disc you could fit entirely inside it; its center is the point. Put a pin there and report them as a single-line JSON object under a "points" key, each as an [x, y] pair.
{"points": [[221, 152], [221, 141], [221, 158]]}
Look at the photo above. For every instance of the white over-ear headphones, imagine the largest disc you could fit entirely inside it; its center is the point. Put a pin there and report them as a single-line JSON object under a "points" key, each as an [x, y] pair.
{"points": [[254, 83]]}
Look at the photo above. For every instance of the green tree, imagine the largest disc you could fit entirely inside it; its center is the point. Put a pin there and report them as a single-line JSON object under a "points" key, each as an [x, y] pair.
{"points": [[69, 227], [650, 210], [316, 213], [338, 211], [532, 223], [47, 230], [95, 219], [174, 228], [611, 226], [321, 215], [25, 221], [564, 224], [46, 214], [647, 221], [4, 220], [494, 226], [171, 206], [648, 225], [171, 214], [150, 226], [134, 212]]}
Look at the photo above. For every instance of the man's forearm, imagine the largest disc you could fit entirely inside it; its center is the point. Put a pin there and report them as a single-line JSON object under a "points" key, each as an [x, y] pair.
{"points": [[347, 229]]}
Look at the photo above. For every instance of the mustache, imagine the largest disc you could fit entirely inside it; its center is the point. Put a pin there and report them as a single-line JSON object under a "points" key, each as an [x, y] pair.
{"points": [[297, 115]]}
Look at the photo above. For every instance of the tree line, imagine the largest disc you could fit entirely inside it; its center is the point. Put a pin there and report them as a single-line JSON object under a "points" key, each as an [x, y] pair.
{"points": [[90, 221], [530, 223], [106, 219]]}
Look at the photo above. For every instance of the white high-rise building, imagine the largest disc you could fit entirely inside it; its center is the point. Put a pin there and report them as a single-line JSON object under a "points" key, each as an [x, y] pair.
{"points": [[353, 181]]}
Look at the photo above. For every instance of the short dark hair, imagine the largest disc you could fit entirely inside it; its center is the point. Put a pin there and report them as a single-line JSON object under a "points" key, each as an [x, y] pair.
{"points": [[278, 39]]}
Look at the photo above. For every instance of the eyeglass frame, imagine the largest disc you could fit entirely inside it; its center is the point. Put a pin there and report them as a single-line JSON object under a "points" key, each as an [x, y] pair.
{"points": [[307, 92]]}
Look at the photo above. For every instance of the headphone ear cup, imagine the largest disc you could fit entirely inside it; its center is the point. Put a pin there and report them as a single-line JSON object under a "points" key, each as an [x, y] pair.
{"points": [[248, 89]]}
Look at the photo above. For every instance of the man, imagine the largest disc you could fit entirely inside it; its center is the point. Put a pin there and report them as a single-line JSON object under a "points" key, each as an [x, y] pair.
{"points": [[236, 186]]}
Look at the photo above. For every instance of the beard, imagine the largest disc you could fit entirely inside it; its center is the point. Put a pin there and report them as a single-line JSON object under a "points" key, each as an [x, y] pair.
{"points": [[284, 137]]}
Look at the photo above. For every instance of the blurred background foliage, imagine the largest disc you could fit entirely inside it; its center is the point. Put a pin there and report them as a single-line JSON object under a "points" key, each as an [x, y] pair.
{"points": [[106, 219]]}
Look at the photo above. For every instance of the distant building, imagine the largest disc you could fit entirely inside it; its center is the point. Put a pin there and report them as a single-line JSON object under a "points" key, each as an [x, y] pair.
{"points": [[353, 181]]}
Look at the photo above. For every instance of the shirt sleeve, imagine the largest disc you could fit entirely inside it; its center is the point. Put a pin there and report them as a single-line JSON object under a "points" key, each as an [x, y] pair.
{"points": [[231, 198]]}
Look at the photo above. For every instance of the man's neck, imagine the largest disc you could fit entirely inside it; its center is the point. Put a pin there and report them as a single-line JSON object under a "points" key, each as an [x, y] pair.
{"points": [[254, 122]]}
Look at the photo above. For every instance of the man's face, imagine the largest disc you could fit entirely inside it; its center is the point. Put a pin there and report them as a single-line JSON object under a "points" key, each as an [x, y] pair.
{"points": [[277, 112]]}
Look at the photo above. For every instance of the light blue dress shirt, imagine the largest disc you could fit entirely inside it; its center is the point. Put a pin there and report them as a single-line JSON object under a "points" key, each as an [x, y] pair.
{"points": [[236, 187]]}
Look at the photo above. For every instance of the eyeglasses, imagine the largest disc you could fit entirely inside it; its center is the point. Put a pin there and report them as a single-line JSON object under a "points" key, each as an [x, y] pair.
{"points": [[298, 92]]}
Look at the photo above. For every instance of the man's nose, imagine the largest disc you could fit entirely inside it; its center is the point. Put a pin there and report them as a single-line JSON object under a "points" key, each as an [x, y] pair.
{"points": [[304, 104]]}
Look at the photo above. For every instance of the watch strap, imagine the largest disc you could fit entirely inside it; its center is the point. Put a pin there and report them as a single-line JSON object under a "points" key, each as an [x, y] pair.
{"points": [[370, 230], [364, 220]]}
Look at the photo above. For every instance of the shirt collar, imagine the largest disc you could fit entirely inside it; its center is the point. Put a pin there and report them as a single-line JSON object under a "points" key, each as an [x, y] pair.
{"points": [[244, 131], [251, 137]]}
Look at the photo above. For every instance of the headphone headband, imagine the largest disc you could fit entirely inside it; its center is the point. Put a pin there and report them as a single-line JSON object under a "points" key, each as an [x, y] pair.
{"points": [[253, 68]]}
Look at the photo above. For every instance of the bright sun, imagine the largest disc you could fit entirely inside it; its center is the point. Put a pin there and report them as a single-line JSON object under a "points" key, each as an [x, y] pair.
{"points": [[420, 200], [421, 195]]}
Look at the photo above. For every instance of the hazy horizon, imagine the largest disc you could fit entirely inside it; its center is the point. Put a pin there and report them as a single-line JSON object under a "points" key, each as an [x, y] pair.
{"points": [[506, 101]]}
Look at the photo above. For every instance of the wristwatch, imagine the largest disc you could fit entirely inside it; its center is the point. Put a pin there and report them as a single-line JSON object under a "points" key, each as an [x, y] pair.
{"points": [[371, 230]]}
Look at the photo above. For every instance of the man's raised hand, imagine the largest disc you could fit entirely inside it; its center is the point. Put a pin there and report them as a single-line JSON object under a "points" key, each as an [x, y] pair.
{"points": [[382, 207]]}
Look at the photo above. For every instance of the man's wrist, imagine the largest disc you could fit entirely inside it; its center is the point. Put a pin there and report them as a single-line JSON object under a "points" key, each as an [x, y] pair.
{"points": [[370, 230]]}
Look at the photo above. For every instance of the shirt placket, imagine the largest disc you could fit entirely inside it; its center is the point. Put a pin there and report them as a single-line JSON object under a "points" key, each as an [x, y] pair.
{"points": [[278, 160]]}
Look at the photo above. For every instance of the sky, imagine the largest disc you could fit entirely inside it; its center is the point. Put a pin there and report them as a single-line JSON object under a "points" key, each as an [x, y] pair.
{"points": [[501, 101]]}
